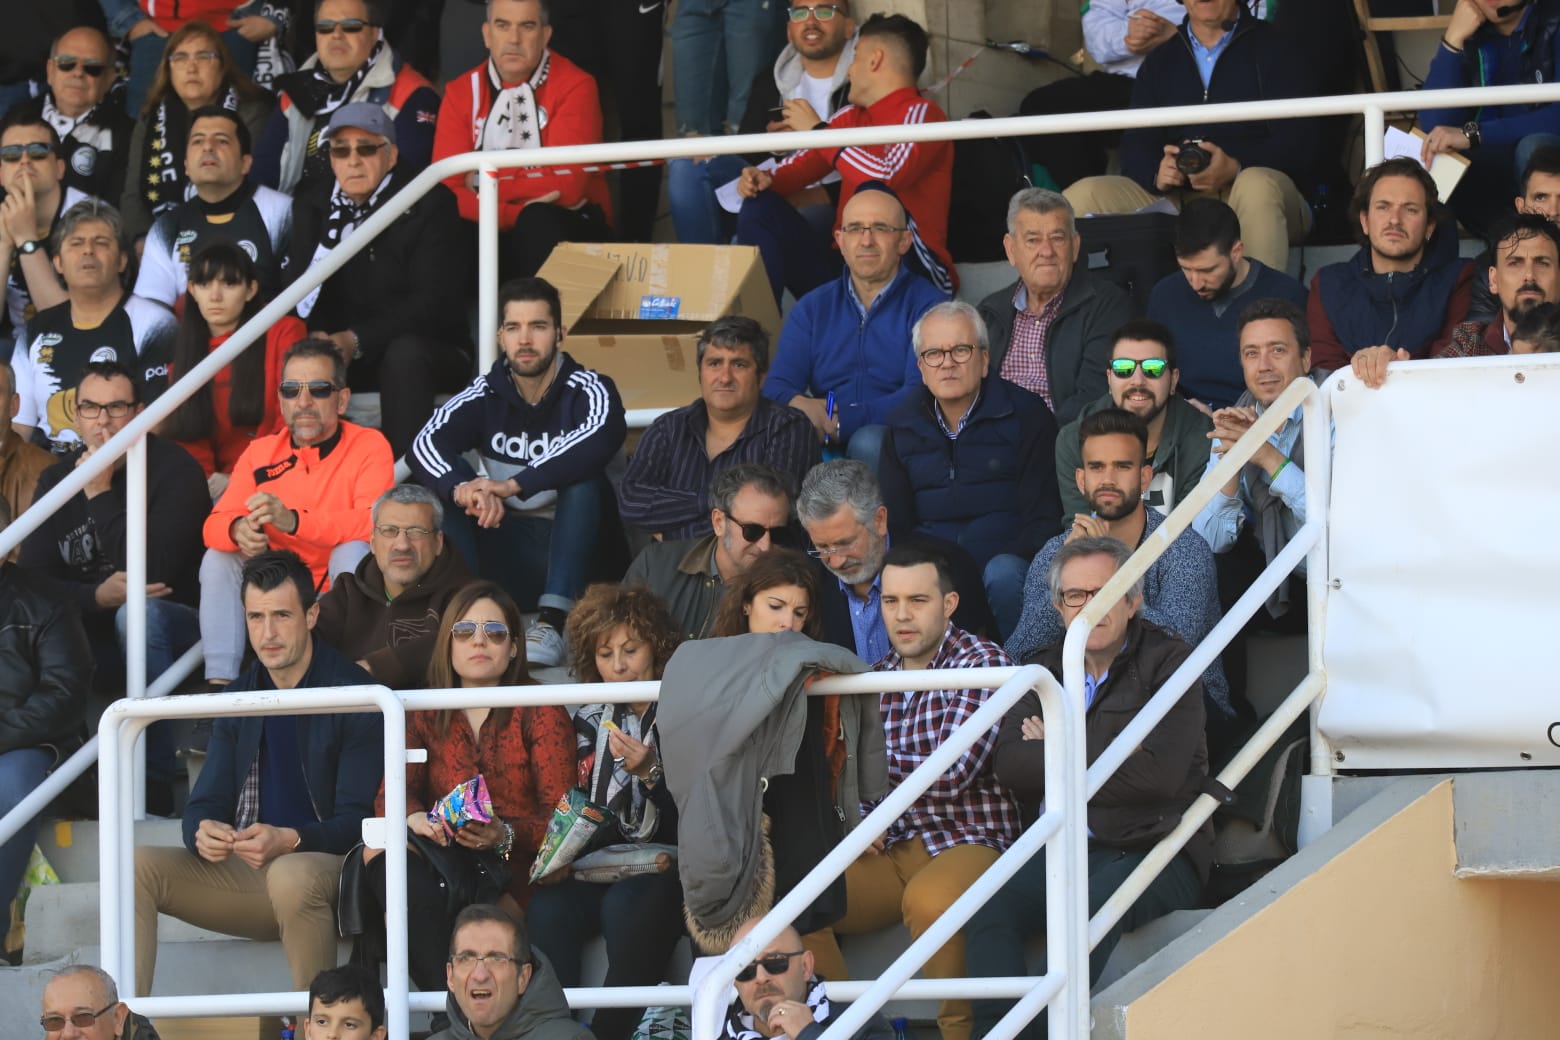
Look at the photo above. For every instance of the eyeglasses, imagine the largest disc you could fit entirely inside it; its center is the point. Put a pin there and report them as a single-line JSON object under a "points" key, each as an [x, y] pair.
{"points": [[79, 1019], [68, 63], [465, 960], [1153, 368], [822, 12], [1077, 597], [37, 151], [185, 57], [755, 532], [857, 230], [772, 963], [319, 389], [818, 552], [365, 149], [936, 357], [493, 632], [350, 26], [413, 534], [115, 409]]}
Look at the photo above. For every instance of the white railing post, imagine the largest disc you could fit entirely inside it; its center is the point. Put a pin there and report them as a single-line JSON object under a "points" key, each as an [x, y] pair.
{"points": [[1069, 1015], [135, 599], [397, 971], [487, 266], [1316, 787], [1375, 134]]}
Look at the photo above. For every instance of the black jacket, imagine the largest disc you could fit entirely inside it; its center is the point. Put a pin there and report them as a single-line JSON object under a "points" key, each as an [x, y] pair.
{"points": [[973, 614], [45, 667], [414, 278]]}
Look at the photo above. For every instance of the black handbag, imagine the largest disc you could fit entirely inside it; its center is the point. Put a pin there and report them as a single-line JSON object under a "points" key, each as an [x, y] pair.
{"points": [[467, 876]]}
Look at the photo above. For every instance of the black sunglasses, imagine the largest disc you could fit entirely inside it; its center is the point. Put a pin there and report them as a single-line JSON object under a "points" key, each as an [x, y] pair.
{"points": [[365, 149], [773, 964], [755, 532], [319, 389], [67, 63], [37, 151], [351, 26]]}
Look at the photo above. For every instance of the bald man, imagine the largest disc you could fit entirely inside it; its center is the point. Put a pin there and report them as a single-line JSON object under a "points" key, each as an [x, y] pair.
{"points": [[94, 130], [778, 994]]}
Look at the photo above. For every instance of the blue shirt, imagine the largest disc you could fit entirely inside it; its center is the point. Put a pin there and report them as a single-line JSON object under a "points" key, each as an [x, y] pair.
{"points": [[866, 621], [1208, 57]]}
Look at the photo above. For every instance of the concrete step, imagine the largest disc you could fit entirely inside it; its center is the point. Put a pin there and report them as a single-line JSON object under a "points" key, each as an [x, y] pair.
{"points": [[71, 846]]}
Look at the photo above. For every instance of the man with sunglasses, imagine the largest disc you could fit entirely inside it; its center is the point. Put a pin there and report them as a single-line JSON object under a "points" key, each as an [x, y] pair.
{"points": [[1143, 377], [778, 994], [280, 800], [396, 310], [385, 614], [80, 555], [93, 127], [309, 489], [971, 457], [750, 505], [84, 997], [33, 175]]}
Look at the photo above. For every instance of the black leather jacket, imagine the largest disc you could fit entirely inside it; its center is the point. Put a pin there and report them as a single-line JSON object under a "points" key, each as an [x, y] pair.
{"points": [[45, 668]]}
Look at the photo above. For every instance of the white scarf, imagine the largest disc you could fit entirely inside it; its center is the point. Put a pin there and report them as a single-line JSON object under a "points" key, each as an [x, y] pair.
{"points": [[345, 215], [739, 1024], [515, 120]]}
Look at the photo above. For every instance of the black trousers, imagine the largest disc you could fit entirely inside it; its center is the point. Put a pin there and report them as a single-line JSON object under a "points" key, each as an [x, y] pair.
{"points": [[428, 920], [540, 226], [408, 374]]}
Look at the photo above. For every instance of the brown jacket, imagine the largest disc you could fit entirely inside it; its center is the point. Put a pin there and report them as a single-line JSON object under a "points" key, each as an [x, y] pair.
{"points": [[1145, 798], [21, 464]]}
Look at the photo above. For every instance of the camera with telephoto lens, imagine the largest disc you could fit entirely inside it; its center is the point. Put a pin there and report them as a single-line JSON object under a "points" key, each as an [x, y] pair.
{"points": [[1192, 157]]}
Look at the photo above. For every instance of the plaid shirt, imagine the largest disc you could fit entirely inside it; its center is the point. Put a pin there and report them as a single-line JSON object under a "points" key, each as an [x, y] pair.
{"points": [[966, 806], [1024, 363]]}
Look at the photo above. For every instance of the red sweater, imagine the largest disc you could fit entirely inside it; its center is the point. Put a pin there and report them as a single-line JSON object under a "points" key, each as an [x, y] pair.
{"points": [[528, 765], [570, 111], [921, 174], [219, 452], [171, 15]]}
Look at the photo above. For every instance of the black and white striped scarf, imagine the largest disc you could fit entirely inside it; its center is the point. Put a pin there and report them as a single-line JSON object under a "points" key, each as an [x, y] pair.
{"points": [[163, 183], [739, 1024], [344, 216]]}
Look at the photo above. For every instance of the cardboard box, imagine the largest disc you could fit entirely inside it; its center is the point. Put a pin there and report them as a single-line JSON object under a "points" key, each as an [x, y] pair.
{"points": [[635, 312]]}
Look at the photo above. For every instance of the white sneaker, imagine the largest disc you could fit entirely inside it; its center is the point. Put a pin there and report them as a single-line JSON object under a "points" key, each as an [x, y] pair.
{"points": [[544, 647]]}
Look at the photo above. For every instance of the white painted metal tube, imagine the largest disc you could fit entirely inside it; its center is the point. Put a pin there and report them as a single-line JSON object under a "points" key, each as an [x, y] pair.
{"points": [[1318, 503], [487, 266]]}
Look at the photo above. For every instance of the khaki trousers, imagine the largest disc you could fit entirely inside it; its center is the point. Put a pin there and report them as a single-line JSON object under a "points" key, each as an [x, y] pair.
{"points": [[906, 883], [1269, 206], [292, 898]]}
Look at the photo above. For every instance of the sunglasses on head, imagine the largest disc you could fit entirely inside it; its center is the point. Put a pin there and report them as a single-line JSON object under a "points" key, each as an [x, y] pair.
{"points": [[1153, 368], [365, 149], [823, 12], [773, 964], [492, 631], [37, 151], [319, 389], [351, 26], [68, 63]]}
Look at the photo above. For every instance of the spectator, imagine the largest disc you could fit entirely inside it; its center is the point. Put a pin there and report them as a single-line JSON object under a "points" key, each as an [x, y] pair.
{"points": [[1050, 329], [220, 420], [789, 1000], [1180, 591], [890, 56], [267, 868], [99, 322], [1253, 516], [307, 489], [224, 208], [80, 553], [1526, 253], [663, 491], [1142, 378], [776, 594], [85, 997], [847, 343], [1485, 45], [499, 986], [617, 634], [805, 88], [1540, 196], [1406, 287], [21, 463], [32, 174], [195, 69], [345, 1002], [1201, 305], [971, 458], [959, 825], [715, 41], [1538, 331], [1260, 168], [94, 130], [352, 63], [393, 311], [750, 505], [385, 614], [545, 428], [1126, 661], [526, 755], [526, 96], [31, 25], [146, 26], [841, 507], [45, 671]]}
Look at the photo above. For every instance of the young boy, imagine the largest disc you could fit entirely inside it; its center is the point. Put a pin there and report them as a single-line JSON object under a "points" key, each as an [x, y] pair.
{"points": [[345, 1003]]}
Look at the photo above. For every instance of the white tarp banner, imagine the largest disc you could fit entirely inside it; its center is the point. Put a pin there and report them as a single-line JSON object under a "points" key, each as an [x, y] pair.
{"points": [[1443, 623]]}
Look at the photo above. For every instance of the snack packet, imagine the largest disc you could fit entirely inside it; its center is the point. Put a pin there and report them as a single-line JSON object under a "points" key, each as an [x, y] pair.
{"points": [[468, 802], [574, 823]]}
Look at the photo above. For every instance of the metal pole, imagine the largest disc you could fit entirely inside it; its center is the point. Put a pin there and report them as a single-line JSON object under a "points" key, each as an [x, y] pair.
{"points": [[1316, 815], [397, 972], [135, 600], [1376, 136], [1069, 890], [487, 266], [110, 857]]}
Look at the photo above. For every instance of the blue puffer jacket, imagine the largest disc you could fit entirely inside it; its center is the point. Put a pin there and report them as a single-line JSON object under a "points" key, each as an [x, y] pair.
{"points": [[993, 490]]}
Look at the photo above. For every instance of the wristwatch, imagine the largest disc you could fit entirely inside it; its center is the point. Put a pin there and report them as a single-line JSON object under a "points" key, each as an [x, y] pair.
{"points": [[30, 246], [655, 777], [1470, 130], [507, 843]]}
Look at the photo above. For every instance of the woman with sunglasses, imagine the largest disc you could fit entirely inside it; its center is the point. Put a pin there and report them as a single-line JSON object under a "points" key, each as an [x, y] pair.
{"points": [[526, 756], [352, 62], [196, 69], [220, 420], [617, 634]]}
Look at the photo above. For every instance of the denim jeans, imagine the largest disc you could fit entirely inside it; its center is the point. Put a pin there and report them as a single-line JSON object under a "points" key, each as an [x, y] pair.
{"points": [[21, 771], [540, 562], [718, 46], [1004, 580], [147, 52], [690, 188], [171, 629]]}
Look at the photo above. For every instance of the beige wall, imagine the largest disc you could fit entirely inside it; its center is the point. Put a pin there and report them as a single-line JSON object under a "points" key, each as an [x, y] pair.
{"points": [[1380, 942]]}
